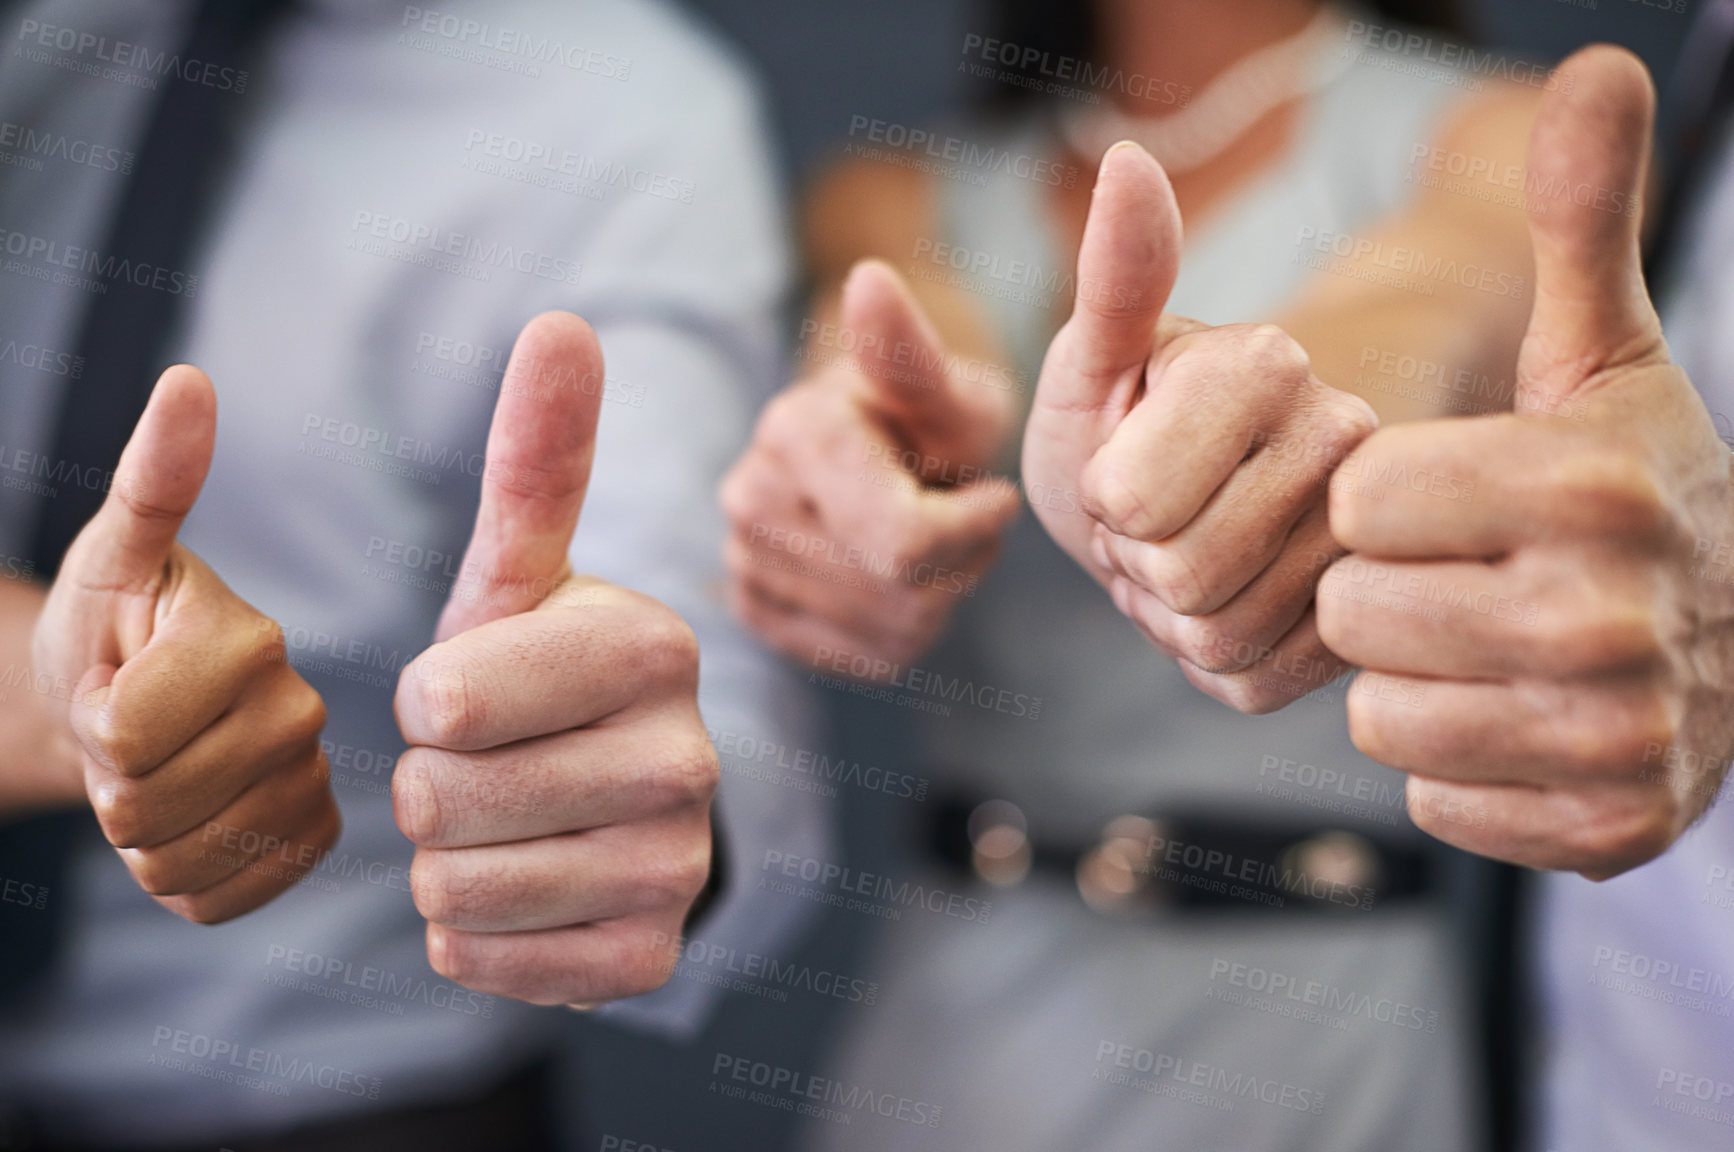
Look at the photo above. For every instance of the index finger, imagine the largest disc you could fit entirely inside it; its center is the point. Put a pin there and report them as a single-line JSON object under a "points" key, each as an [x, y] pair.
{"points": [[1471, 487], [187, 676]]}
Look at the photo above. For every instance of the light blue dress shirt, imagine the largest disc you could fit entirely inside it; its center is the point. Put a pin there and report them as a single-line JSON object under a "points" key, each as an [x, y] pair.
{"points": [[415, 183], [1638, 972]]}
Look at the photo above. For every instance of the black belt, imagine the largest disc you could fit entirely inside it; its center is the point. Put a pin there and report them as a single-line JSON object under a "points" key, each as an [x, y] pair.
{"points": [[518, 1116], [1186, 862]]}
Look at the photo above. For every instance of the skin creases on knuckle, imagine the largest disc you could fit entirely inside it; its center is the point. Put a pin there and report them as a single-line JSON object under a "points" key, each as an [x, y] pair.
{"points": [[1112, 497], [116, 813], [1172, 575], [301, 711], [1269, 355], [667, 642], [415, 789], [1206, 644], [452, 686], [455, 956], [443, 890], [674, 878], [687, 772], [1341, 421], [118, 742]]}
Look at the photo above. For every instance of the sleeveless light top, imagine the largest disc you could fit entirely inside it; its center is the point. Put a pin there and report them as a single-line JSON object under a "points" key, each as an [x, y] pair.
{"points": [[1119, 729]]}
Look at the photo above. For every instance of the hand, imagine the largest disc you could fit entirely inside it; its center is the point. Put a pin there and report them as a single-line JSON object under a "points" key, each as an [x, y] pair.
{"points": [[559, 778], [1185, 466], [1539, 572], [200, 744], [863, 512]]}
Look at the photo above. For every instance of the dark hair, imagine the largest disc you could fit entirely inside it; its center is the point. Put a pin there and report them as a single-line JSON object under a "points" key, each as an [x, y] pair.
{"points": [[1068, 28]]}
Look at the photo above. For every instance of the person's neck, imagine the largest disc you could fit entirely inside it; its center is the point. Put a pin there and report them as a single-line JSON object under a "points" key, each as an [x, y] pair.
{"points": [[1189, 43]]}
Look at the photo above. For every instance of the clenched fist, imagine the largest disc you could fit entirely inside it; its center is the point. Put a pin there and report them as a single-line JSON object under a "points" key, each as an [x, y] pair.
{"points": [[863, 512], [558, 780], [200, 744], [1572, 624], [1200, 456]]}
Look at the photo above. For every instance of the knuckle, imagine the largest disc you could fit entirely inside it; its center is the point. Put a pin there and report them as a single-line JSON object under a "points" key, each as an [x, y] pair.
{"points": [[1622, 836], [668, 643], [1271, 353], [1112, 497], [1206, 643], [156, 874], [1370, 736], [1606, 636], [1608, 745], [120, 813], [1614, 492], [1346, 506], [304, 714], [739, 496], [1245, 694], [733, 500], [454, 956], [1173, 577], [686, 774], [201, 908], [784, 427], [449, 958], [675, 878], [454, 699], [267, 642], [415, 796], [1342, 422], [644, 966], [445, 892], [120, 747]]}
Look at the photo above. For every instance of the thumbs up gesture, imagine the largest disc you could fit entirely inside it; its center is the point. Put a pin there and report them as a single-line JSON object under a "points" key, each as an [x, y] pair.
{"points": [[558, 780], [1569, 626], [1185, 466], [200, 744], [863, 512]]}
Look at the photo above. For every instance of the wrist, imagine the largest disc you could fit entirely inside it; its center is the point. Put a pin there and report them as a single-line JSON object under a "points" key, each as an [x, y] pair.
{"points": [[43, 769]]}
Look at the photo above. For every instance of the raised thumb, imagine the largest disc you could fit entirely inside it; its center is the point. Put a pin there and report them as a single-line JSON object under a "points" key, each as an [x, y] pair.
{"points": [[155, 485], [540, 446], [1127, 265], [1588, 159]]}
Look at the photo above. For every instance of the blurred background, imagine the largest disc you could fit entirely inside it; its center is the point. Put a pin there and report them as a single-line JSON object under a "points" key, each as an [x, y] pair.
{"points": [[823, 62]]}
